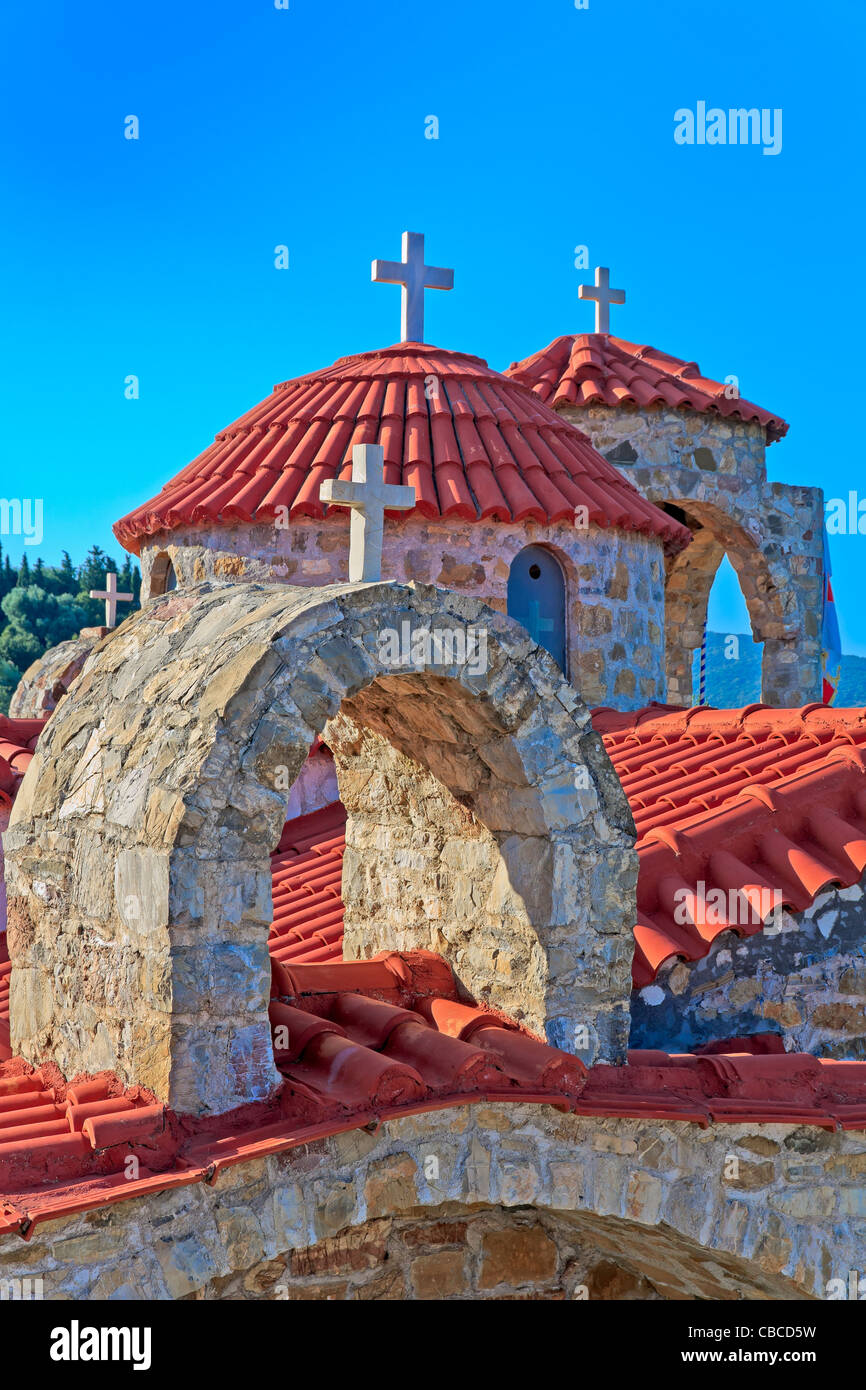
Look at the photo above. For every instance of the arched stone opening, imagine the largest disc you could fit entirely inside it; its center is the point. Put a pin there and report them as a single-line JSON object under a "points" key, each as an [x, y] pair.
{"points": [[485, 820], [771, 601], [491, 1252], [162, 578]]}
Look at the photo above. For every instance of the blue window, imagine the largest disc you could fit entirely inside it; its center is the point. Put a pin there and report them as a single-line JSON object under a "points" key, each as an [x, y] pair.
{"points": [[536, 598]]}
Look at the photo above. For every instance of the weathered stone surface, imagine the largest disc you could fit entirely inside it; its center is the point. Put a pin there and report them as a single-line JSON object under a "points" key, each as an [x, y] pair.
{"points": [[198, 714], [45, 683], [439, 1275], [806, 982], [294, 1226], [521, 1255]]}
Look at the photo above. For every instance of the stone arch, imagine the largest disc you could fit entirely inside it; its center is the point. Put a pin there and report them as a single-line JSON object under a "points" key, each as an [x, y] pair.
{"points": [[775, 617], [484, 816], [491, 1252]]}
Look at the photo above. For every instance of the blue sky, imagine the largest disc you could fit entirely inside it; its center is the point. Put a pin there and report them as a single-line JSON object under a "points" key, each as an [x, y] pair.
{"points": [[305, 127]]}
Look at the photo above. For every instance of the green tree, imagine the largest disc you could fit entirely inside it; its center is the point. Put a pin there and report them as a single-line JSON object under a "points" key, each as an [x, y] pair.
{"points": [[36, 616], [92, 571], [36, 621], [9, 678], [66, 575], [20, 647]]}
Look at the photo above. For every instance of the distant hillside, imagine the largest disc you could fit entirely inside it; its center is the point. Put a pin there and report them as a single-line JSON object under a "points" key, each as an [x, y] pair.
{"points": [[735, 680]]}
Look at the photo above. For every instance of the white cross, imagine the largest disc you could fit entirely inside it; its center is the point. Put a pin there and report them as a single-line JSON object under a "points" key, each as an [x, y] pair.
{"points": [[603, 295], [415, 277], [367, 495], [112, 598]]}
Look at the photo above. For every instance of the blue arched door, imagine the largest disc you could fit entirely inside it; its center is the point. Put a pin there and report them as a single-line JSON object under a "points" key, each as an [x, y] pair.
{"points": [[536, 598]]}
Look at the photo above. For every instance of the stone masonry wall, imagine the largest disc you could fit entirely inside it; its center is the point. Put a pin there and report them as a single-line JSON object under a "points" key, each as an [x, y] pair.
{"points": [[714, 469], [806, 982], [735, 1210], [614, 581]]}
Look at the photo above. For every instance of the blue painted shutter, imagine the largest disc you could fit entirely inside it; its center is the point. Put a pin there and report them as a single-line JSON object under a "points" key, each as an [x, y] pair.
{"points": [[536, 598]]}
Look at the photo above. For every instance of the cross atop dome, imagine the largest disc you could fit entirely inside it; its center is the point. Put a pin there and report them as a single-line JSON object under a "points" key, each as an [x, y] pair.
{"points": [[603, 295], [415, 277]]}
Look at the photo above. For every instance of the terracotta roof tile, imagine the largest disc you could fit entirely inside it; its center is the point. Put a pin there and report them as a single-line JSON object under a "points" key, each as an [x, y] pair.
{"points": [[483, 447], [761, 797], [596, 369], [336, 1084], [18, 739], [768, 805], [756, 802], [43, 1132], [307, 871]]}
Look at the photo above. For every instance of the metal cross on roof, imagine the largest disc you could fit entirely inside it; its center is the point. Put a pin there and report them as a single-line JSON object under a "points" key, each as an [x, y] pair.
{"points": [[367, 495], [112, 598], [415, 277], [603, 295]]}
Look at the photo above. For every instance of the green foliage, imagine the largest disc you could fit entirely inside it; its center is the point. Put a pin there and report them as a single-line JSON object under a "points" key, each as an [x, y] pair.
{"points": [[9, 678], [41, 605]]}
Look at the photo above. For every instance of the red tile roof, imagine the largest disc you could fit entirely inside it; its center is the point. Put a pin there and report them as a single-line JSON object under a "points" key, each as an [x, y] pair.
{"points": [[50, 1130], [733, 1088], [755, 801], [745, 799], [596, 369], [5, 976], [354, 1059], [356, 1042], [751, 801], [307, 872], [478, 447], [18, 739]]}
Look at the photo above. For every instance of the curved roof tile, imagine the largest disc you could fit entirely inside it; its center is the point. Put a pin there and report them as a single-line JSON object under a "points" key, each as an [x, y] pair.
{"points": [[477, 446], [766, 804], [596, 369], [18, 738]]}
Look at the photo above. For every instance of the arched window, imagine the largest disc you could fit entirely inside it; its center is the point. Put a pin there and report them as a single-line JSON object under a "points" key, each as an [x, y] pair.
{"points": [[162, 577], [536, 598]]}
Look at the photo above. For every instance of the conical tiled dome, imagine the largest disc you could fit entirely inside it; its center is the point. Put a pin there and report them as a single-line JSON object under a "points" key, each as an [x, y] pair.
{"points": [[473, 444]]}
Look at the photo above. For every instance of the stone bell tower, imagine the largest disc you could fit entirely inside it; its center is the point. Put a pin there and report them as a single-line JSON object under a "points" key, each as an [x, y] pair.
{"points": [[696, 448]]}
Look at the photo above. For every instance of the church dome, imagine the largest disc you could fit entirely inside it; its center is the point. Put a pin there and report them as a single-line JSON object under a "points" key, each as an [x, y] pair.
{"points": [[475, 445]]}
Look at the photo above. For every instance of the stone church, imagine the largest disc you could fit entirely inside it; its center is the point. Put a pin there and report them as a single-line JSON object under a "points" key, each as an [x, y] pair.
{"points": [[415, 935]]}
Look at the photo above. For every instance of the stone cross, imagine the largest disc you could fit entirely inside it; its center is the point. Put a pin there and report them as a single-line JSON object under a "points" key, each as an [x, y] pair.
{"points": [[603, 295], [367, 495], [415, 277], [112, 598]]}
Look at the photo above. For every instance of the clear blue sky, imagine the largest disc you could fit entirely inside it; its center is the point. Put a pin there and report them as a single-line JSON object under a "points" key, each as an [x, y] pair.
{"points": [[261, 126]]}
